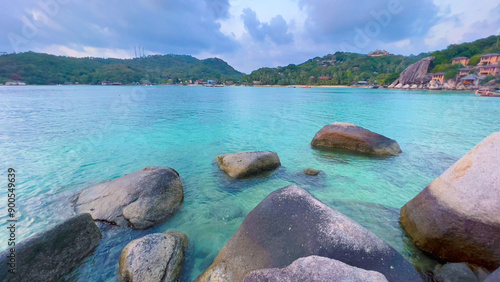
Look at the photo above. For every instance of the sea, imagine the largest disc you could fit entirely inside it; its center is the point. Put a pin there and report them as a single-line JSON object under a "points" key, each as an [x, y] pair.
{"points": [[63, 139]]}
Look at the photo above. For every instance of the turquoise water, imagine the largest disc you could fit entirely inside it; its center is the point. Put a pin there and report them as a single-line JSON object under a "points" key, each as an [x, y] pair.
{"points": [[63, 139]]}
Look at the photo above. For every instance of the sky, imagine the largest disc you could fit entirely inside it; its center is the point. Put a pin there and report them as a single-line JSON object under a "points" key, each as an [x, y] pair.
{"points": [[246, 34]]}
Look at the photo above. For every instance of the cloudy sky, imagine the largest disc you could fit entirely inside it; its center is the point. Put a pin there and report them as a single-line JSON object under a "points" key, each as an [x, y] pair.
{"points": [[246, 34]]}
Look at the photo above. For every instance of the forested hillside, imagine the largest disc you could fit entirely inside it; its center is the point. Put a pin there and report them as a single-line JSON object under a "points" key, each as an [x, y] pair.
{"points": [[347, 68], [36, 68]]}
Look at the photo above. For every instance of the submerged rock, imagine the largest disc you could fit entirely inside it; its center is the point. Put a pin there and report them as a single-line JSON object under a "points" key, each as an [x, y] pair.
{"points": [[456, 272], [457, 217], [348, 136], [154, 257], [291, 223], [415, 73], [50, 255], [245, 164], [140, 199], [311, 171], [315, 268]]}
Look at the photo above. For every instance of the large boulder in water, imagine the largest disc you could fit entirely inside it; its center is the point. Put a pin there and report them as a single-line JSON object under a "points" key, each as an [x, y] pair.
{"points": [[245, 164], [315, 268], [351, 137], [140, 199], [50, 255], [154, 257], [457, 217], [291, 223]]}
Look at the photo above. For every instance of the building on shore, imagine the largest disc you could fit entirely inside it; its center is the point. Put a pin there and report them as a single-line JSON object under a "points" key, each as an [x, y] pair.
{"points": [[491, 69], [460, 60], [464, 71], [438, 78], [470, 80], [490, 59]]}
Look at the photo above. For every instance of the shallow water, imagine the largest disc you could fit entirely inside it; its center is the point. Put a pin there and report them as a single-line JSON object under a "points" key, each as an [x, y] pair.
{"points": [[63, 139]]}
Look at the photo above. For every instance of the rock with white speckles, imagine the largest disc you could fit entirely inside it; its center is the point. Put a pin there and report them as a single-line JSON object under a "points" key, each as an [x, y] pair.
{"points": [[157, 257], [457, 217], [315, 268], [291, 223]]}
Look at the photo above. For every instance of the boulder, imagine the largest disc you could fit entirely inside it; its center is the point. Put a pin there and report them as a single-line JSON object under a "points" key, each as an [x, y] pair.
{"points": [[457, 217], [245, 164], [455, 272], [154, 257], [291, 223], [50, 255], [315, 268], [348, 136], [494, 276], [311, 171], [415, 73], [139, 200]]}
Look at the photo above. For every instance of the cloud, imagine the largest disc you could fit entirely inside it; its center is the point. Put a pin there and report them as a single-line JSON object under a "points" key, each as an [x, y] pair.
{"points": [[276, 30], [171, 26], [360, 23]]}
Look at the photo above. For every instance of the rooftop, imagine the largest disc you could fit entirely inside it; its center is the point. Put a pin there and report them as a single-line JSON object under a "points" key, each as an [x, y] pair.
{"points": [[492, 54], [439, 73], [465, 69], [460, 58], [470, 77]]}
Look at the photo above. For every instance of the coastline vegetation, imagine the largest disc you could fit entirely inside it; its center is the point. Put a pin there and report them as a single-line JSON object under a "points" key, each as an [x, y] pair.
{"points": [[340, 68]]}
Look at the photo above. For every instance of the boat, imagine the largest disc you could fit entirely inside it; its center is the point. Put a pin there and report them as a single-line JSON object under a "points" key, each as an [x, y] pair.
{"points": [[491, 94], [482, 91], [306, 87]]}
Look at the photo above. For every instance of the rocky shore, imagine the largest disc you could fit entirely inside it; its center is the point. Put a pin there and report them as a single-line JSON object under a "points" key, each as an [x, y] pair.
{"points": [[417, 76], [290, 235]]}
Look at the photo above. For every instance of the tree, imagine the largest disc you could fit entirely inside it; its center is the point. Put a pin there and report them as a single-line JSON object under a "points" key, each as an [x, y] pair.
{"points": [[16, 77]]}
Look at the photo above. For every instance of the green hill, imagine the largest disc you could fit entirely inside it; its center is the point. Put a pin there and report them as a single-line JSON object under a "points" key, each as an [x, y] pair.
{"points": [[36, 68], [347, 68]]}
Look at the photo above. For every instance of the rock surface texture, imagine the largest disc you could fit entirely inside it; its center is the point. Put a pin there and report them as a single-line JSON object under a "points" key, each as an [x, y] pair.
{"points": [[157, 257], [291, 223], [50, 255], [494, 276], [457, 217], [348, 136], [245, 164], [139, 200], [415, 73], [315, 268], [456, 272]]}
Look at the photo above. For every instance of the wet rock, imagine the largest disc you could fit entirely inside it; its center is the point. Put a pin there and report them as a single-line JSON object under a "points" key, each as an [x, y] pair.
{"points": [[154, 257], [245, 164], [291, 223], [311, 171], [140, 199], [455, 272], [457, 217], [50, 255], [315, 268], [348, 136]]}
